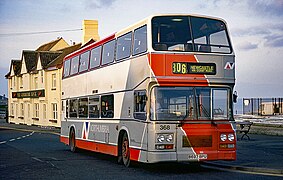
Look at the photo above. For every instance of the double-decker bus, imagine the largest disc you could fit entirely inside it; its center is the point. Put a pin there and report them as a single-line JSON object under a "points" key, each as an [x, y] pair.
{"points": [[159, 90]]}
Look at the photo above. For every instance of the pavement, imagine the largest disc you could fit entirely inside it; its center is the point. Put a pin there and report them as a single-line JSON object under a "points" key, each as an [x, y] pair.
{"points": [[261, 154]]}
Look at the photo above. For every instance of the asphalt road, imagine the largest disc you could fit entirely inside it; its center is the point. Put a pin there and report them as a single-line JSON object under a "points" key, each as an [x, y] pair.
{"points": [[33, 155]]}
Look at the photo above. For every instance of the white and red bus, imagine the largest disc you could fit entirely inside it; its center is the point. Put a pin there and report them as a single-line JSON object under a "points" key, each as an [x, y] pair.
{"points": [[159, 90]]}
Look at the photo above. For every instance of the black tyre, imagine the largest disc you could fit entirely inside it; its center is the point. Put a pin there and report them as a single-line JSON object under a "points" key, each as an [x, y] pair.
{"points": [[125, 150], [72, 140]]}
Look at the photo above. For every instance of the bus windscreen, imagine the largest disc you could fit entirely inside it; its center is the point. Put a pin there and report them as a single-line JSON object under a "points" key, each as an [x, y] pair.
{"points": [[189, 34]]}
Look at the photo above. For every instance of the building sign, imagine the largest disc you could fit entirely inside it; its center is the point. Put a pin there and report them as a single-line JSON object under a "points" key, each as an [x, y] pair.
{"points": [[29, 94]]}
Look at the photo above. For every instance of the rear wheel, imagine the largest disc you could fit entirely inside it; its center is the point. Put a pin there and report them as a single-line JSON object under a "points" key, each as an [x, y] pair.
{"points": [[72, 140], [125, 150]]}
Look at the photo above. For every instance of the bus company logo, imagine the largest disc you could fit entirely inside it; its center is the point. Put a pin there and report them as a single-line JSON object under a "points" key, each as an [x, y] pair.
{"points": [[229, 65], [85, 130]]}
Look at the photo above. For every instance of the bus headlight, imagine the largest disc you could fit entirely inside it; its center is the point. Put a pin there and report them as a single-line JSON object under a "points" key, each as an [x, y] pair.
{"points": [[167, 138], [231, 137], [160, 138], [223, 137]]}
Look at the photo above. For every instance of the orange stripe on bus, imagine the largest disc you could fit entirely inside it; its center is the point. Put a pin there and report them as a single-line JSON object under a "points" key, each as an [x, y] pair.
{"points": [[103, 148]]}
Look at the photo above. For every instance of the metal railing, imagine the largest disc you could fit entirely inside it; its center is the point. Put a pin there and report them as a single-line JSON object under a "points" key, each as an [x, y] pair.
{"points": [[263, 106]]}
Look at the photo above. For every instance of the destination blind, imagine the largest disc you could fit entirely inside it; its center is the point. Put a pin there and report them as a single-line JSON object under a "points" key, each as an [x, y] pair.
{"points": [[193, 68]]}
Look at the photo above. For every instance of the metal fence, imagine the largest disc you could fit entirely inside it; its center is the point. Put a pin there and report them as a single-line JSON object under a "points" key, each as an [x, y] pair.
{"points": [[263, 106]]}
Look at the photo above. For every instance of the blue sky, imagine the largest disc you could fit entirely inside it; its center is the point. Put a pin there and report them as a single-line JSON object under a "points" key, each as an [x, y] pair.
{"points": [[256, 30]]}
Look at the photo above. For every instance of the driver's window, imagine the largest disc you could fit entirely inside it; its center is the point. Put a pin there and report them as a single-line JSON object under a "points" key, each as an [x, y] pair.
{"points": [[140, 104]]}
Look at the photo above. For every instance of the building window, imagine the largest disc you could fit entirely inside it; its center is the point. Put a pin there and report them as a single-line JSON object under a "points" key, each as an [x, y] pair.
{"points": [[36, 110], [107, 106], [14, 80], [53, 81], [44, 111], [35, 82], [22, 110], [28, 110], [54, 110], [16, 110], [42, 76], [12, 109], [21, 82]]}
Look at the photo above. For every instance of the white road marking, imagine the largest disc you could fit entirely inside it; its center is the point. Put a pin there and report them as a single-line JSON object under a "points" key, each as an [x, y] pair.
{"points": [[18, 138]]}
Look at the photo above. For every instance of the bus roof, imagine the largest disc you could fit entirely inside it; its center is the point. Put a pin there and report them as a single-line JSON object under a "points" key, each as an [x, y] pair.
{"points": [[129, 28]]}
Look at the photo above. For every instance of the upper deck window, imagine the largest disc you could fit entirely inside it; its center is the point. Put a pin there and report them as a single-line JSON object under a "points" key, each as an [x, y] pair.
{"points": [[67, 68], [95, 57], [140, 40], [124, 46], [108, 52], [189, 34], [74, 65], [84, 61]]}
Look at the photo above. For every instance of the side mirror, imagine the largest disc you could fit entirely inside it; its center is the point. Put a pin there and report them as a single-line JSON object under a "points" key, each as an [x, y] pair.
{"points": [[235, 97]]}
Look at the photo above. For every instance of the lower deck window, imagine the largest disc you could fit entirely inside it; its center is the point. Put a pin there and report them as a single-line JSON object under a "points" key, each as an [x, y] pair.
{"points": [[107, 106]]}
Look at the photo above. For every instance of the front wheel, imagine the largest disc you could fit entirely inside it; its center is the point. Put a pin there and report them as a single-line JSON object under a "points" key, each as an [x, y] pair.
{"points": [[72, 140], [125, 150]]}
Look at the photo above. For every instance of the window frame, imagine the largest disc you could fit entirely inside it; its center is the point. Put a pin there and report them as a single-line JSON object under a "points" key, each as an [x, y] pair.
{"points": [[54, 81], [92, 103], [109, 112], [140, 112], [54, 111], [134, 53], [36, 110], [67, 68], [122, 38], [76, 67], [83, 103], [86, 61], [99, 49], [106, 50]]}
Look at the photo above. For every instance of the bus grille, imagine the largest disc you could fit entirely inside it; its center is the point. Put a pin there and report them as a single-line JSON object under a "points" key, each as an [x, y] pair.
{"points": [[197, 141]]}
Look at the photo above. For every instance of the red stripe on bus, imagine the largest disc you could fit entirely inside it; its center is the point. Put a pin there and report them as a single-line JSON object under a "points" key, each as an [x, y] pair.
{"points": [[64, 140], [91, 46], [134, 154]]}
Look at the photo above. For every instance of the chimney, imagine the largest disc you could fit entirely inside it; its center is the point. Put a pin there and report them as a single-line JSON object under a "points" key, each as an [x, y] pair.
{"points": [[90, 30]]}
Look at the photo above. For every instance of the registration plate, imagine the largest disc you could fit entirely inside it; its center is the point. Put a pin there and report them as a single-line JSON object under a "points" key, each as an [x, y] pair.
{"points": [[198, 156]]}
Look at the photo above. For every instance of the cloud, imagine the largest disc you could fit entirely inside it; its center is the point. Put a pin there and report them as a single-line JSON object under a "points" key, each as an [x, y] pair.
{"points": [[246, 46], [267, 7], [97, 4], [273, 41]]}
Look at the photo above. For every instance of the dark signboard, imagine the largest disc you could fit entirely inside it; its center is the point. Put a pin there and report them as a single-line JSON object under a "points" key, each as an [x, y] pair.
{"points": [[29, 94], [193, 68]]}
